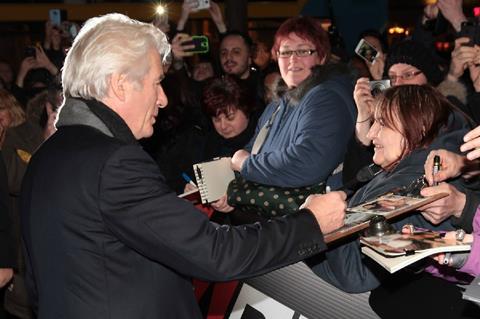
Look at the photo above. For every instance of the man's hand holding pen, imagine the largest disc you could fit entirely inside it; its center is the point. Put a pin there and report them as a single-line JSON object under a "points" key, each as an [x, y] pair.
{"points": [[450, 165], [442, 165]]}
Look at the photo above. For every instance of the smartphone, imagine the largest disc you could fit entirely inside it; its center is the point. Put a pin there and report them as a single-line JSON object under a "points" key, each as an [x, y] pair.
{"points": [[203, 4], [199, 4], [200, 42], [30, 52], [470, 30], [366, 51], [55, 16]]}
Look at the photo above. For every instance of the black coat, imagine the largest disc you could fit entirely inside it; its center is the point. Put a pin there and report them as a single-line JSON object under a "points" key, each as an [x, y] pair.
{"points": [[7, 242], [106, 238]]}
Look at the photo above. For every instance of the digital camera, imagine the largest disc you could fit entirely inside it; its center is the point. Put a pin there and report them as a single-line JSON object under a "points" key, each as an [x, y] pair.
{"points": [[377, 87]]}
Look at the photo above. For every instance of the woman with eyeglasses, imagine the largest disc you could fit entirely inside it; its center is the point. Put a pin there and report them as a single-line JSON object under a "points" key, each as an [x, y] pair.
{"points": [[312, 117], [408, 62]]}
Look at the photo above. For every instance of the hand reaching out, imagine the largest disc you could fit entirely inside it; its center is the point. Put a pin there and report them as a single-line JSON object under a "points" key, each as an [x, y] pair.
{"points": [[6, 275], [328, 209], [462, 57], [472, 144], [238, 159], [221, 205], [452, 11], [217, 17], [42, 61], [178, 48], [474, 69], [376, 68], [452, 165], [364, 101], [443, 208], [187, 8], [26, 65]]}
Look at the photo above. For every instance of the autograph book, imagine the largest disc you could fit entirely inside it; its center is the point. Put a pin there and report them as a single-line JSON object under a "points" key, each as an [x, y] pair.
{"points": [[389, 205], [213, 178], [395, 251]]}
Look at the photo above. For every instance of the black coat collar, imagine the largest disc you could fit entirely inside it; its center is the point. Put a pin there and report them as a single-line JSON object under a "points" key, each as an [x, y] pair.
{"points": [[95, 114]]}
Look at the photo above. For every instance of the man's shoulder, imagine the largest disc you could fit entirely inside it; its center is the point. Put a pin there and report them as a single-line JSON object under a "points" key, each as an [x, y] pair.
{"points": [[79, 142]]}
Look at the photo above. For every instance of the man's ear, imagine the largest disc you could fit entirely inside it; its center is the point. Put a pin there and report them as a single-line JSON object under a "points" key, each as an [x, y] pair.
{"points": [[118, 85]]}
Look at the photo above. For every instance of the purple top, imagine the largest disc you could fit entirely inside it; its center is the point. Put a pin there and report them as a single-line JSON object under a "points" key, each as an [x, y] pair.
{"points": [[472, 265]]}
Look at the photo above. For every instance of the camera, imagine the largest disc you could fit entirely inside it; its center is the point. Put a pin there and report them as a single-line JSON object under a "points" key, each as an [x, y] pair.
{"points": [[377, 87], [471, 30]]}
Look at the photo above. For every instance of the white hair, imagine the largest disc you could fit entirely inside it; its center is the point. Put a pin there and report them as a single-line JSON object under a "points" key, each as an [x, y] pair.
{"points": [[109, 44]]}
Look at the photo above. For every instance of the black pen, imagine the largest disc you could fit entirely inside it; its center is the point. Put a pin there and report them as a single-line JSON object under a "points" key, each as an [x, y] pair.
{"points": [[436, 168]]}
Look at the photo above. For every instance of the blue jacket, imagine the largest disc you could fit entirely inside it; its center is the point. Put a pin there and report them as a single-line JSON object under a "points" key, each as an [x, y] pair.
{"points": [[345, 266], [310, 133]]}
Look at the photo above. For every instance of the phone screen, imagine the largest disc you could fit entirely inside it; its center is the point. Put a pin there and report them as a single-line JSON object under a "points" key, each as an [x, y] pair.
{"points": [[366, 51], [200, 42], [55, 16]]}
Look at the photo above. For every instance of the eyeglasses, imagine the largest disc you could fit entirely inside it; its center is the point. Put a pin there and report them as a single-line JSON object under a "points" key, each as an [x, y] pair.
{"points": [[405, 76], [299, 53]]}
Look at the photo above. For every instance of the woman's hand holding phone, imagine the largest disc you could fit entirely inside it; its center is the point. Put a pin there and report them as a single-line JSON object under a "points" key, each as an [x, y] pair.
{"points": [[179, 49]]}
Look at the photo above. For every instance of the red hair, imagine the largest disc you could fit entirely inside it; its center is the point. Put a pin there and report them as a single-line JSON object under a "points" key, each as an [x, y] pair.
{"points": [[307, 28], [421, 111]]}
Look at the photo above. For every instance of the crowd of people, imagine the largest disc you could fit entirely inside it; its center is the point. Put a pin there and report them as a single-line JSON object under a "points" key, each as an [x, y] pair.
{"points": [[94, 141]]}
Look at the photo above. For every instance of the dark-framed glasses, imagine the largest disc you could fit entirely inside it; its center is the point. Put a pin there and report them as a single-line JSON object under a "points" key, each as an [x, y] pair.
{"points": [[405, 76], [299, 53]]}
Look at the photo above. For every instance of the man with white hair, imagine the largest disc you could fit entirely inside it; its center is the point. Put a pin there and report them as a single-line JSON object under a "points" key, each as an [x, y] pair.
{"points": [[104, 236]]}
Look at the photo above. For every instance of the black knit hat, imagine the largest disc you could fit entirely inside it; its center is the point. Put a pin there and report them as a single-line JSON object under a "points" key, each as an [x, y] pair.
{"points": [[415, 54]]}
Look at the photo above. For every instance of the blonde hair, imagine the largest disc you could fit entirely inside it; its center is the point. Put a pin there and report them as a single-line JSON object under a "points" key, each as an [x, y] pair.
{"points": [[109, 44], [9, 102]]}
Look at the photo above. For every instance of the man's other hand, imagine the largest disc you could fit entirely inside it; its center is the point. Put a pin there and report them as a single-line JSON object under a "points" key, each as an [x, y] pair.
{"points": [[6, 275], [329, 210]]}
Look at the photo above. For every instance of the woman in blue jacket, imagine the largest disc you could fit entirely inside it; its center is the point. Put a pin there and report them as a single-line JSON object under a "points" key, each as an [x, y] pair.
{"points": [[312, 119]]}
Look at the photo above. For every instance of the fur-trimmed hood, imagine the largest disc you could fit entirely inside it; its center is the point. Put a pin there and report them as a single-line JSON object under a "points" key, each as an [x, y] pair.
{"points": [[320, 73]]}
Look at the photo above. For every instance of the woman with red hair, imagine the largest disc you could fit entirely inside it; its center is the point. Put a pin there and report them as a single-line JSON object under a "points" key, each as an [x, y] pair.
{"points": [[408, 122], [310, 121]]}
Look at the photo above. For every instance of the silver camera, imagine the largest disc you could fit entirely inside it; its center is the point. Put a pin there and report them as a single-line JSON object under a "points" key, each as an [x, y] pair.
{"points": [[377, 87]]}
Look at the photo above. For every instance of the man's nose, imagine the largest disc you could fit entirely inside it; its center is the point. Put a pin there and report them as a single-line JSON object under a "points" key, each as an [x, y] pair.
{"points": [[162, 100]]}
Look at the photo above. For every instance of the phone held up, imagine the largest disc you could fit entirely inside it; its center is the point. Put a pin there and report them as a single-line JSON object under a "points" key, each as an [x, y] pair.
{"points": [[200, 43], [471, 30], [56, 16], [366, 51], [30, 52], [199, 4]]}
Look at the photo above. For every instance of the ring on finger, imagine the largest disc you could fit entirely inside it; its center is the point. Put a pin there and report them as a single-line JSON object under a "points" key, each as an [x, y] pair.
{"points": [[459, 234]]}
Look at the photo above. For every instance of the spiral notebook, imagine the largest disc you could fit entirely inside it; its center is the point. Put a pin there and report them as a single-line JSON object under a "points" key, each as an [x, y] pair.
{"points": [[213, 178]]}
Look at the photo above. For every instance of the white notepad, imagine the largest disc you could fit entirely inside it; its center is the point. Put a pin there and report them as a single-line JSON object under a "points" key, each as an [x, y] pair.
{"points": [[213, 178]]}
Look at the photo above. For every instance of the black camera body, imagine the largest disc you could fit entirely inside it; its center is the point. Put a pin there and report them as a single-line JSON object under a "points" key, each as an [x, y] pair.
{"points": [[470, 29], [379, 86]]}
